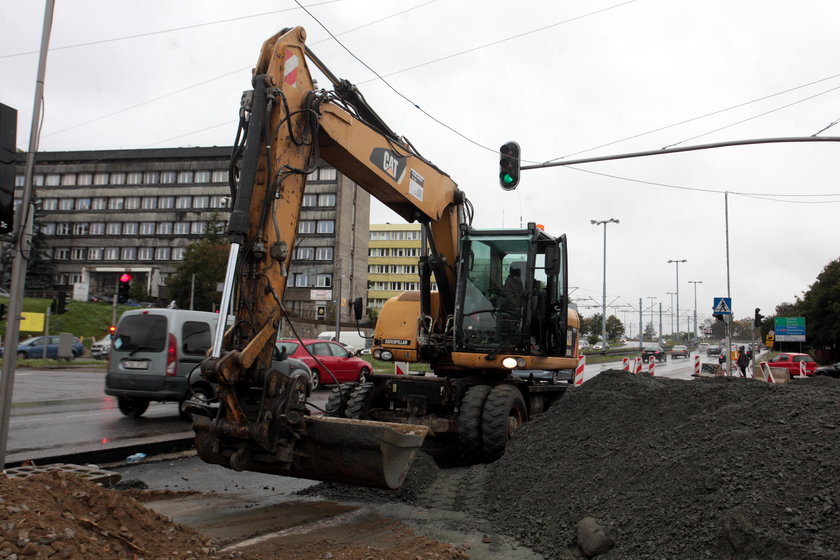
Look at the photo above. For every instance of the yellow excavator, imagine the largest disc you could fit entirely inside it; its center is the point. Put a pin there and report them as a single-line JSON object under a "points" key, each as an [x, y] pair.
{"points": [[498, 332]]}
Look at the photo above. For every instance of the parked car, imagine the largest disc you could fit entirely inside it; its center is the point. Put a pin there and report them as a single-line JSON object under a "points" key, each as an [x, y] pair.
{"points": [[101, 348], [791, 361], [713, 350], [656, 351], [703, 347], [829, 371], [583, 344], [680, 351], [33, 348], [330, 355]]}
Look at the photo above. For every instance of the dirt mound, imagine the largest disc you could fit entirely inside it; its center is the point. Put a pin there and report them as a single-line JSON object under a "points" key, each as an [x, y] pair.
{"points": [[61, 515], [713, 468]]}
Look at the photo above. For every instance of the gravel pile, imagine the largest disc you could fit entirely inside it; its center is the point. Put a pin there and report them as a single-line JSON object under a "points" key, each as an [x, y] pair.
{"points": [[713, 468]]}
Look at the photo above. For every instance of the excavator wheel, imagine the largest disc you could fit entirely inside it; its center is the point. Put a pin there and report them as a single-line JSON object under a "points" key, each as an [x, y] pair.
{"points": [[359, 401], [503, 413], [469, 423], [337, 401]]}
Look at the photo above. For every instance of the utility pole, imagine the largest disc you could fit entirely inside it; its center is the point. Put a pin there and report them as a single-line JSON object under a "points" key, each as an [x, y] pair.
{"points": [[695, 282], [660, 319], [651, 298], [641, 331], [604, 294], [672, 310], [677, 263]]}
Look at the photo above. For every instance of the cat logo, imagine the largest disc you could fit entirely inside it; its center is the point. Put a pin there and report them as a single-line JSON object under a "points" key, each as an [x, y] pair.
{"points": [[389, 161]]}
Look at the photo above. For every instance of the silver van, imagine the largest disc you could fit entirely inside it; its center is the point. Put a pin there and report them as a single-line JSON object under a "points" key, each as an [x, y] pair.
{"points": [[152, 354], [352, 340]]}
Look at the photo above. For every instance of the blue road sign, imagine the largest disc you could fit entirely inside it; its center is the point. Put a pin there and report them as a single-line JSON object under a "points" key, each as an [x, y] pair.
{"points": [[722, 306]]}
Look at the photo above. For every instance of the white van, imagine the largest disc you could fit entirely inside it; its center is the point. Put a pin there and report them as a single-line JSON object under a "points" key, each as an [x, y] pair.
{"points": [[153, 352], [352, 340]]}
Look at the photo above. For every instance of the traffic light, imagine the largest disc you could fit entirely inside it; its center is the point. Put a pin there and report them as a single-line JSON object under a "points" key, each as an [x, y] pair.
{"points": [[718, 316], [509, 166], [124, 288], [61, 303], [111, 330], [758, 317]]}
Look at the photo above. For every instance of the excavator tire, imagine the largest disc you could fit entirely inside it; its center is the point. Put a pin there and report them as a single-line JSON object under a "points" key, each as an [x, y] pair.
{"points": [[503, 413], [360, 399], [337, 401], [469, 423]]}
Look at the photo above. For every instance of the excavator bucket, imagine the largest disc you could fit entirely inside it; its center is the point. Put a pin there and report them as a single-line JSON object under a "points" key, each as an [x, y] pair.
{"points": [[359, 452]]}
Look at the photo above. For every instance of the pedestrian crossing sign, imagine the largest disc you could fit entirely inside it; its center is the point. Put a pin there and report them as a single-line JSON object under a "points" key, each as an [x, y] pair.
{"points": [[722, 306]]}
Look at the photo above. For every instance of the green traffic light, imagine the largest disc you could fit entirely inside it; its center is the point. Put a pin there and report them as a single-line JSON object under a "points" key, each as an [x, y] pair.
{"points": [[507, 179]]}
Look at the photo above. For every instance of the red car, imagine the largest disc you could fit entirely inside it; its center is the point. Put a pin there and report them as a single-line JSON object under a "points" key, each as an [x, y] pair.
{"points": [[344, 367], [791, 361]]}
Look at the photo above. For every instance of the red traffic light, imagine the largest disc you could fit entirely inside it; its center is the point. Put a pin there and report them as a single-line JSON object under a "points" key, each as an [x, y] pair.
{"points": [[126, 277], [112, 329]]}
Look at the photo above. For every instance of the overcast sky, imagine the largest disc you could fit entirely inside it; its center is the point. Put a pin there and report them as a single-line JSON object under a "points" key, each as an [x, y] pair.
{"points": [[564, 79]]}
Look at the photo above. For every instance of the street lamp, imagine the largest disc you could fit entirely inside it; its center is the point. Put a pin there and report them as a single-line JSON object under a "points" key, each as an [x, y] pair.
{"points": [[677, 262], [672, 294], [604, 299], [695, 282]]}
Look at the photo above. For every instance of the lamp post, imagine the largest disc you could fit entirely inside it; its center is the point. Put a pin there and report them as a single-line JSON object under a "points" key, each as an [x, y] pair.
{"points": [[695, 282], [604, 298], [672, 294], [677, 263]]}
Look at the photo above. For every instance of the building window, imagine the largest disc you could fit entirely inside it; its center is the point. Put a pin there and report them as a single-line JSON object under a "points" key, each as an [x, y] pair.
{"points": [[182, 228], [147, 228], [61, 253], [167, 177], [323, 281], [162, 253], [306, 226], [81, 228], [62, 229], [202, 176], [116, 203], [82, 204], [38, 180], [101, 178], [99, 203], [48, 228], [324, 254], [305, 253], [166, 202], [130, 228], [183, 202], [312, 176], [198, 228], [200, 201], [78, 253], [95, 253], [149, 202], [327, 174], [113, 228], [326, 226], [112, 254], [97, 228], [301, 280], [66, 203], [49, 203], [310, 200], [117, 178], [220, 176], [144, 253], [84, 179], [128, 253], [132, 202], [52, 180], [185, 177], [150, 178], [218, 201], [134, 178], [327, 199], [164, 228], [20, 180], [68, 179], [178, 253]]}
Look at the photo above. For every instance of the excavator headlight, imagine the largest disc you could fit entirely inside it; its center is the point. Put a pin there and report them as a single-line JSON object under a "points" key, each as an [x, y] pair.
{"points": [[386, 355], [376, 354], [509, 363]]}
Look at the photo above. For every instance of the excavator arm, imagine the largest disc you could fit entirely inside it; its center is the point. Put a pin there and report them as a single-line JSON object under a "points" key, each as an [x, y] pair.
{"points": [[287, 124]]}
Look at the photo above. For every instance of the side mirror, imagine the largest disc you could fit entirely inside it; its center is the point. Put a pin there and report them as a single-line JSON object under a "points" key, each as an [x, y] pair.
{"points": [[552, 262], [358, 308]]}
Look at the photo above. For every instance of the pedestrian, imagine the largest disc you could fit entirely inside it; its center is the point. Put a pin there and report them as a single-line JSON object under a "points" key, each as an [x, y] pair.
{"points": [[743, 361]]}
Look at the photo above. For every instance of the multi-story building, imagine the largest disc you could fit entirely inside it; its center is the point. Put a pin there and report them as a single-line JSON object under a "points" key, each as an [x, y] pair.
{"points": [[103, 213], [393, 253]]}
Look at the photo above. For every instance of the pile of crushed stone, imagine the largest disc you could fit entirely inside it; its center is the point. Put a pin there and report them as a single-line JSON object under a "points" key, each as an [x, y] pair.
{"points": [[62, 515], [723, 468]]}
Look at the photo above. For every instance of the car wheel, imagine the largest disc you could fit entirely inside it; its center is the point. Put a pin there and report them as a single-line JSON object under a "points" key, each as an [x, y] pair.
{"points": [[363, 375], [133, 408], [314, 379], [22, 356], [504, 412]]}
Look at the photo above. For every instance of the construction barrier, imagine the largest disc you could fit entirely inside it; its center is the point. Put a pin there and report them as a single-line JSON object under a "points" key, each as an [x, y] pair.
{"points": [[651, 364], [579, 370], [637, 365], [802, 370], [401, 368], [697, 364], [766, 372], [626, 362]]}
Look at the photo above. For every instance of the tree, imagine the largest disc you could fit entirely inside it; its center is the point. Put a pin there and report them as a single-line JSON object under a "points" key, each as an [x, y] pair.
{"points": [[206, 261], [650, 331], [820, 306], [40, 268], [615, 328]]}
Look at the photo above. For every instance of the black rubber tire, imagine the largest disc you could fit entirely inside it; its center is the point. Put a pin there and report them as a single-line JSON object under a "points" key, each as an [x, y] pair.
{"points": [[360, 399], [133, 408], [364, 375], [337, 401], [469, 423], [503, 413], [314, 379], [23, 356]]}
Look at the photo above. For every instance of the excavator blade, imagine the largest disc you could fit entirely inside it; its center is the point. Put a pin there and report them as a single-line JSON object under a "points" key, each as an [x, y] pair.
{"points": [[359, 452]]}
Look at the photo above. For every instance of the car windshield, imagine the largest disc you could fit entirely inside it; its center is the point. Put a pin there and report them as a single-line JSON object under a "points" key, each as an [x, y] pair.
{"points": [[289, 347], [651, 349], [805, 358]]}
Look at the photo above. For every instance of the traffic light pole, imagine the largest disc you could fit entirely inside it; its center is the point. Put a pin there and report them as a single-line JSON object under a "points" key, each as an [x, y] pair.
{"points": [[116, 297]]}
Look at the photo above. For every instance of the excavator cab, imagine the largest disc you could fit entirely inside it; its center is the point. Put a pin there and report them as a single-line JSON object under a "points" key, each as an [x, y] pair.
{"points": [[511, 293]]}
